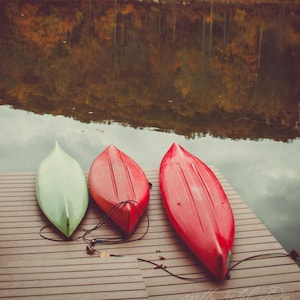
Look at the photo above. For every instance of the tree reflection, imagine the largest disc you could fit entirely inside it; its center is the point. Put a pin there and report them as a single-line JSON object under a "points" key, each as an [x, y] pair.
{"points": [[231, 70]]}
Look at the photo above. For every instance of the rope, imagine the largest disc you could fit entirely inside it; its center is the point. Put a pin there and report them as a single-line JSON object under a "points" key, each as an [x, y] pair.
{"points": [[112, 241], [159, 266], [293, 254], [63, 239]]}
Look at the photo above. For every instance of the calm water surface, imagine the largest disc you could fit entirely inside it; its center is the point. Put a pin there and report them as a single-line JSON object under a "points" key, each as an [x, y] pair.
{"points": [[221, 80]]}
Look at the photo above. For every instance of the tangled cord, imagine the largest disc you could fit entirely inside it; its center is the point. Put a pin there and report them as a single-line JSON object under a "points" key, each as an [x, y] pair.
{"points": [[111, 241]]}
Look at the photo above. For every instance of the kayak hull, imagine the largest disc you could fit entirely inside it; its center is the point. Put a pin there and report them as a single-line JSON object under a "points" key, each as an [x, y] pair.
{"points": [[61, 190], [198, 208], [119, 187]]}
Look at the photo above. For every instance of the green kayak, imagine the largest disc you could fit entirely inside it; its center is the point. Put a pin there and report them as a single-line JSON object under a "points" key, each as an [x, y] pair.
{"points": [[61, 190]]}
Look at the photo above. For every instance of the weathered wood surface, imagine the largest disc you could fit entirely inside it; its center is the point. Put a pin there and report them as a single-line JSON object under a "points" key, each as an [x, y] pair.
{"points": [[32, 267]]}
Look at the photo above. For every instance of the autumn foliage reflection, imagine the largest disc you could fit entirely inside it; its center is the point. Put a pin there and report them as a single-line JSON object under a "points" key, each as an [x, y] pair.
{"points": [[231, 70]]}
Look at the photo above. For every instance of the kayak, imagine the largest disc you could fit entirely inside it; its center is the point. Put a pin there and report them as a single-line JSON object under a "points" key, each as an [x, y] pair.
{"points": [[61, 190], [119, 187], [197, 208]]}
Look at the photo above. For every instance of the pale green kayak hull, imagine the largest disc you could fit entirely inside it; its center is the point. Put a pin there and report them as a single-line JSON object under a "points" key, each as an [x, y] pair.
{"points": [[61, 190]]}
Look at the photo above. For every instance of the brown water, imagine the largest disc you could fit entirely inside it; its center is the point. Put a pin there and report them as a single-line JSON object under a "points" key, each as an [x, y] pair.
{"points": [[229, 70]]}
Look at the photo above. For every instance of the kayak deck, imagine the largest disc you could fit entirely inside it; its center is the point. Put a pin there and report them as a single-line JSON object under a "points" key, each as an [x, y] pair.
{"points": [[61, 190], [68, 273], [198, 208], [120, 188]]}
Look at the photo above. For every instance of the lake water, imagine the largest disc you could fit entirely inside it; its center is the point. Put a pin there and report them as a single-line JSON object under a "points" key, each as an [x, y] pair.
{"points": [[221, 80]]}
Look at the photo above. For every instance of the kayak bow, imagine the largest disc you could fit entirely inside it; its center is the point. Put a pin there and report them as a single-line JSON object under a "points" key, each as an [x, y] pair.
{"points": [[61, 190], [198, 208], [119, 185]]}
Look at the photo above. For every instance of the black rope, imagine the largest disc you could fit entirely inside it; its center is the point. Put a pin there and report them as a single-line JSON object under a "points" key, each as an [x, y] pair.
{"points": [[164, 268], [115, 240], [112, 240], [106, 216], [293, 254], [90, 250], [259, 256], [63, 239]]}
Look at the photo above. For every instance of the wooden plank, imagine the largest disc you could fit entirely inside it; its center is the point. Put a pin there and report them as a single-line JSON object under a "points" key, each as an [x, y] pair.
{"points": [[30, 278], [70, 273], [282, 291]]}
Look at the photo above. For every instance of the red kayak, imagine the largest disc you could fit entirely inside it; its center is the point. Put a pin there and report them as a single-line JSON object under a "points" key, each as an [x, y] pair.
{"points": [[119, 187], [197, 208]]}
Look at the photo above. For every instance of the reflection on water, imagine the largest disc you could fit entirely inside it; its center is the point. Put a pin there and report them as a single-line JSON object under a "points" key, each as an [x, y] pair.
{"points": [[230, 70], [220, 79]]}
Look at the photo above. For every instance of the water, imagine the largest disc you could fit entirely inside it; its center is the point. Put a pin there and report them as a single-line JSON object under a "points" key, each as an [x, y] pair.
{"points": [[221, 80]]}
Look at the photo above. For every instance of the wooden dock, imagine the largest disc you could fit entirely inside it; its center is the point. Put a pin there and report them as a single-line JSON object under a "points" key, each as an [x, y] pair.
{"points": [[35, 268]]}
